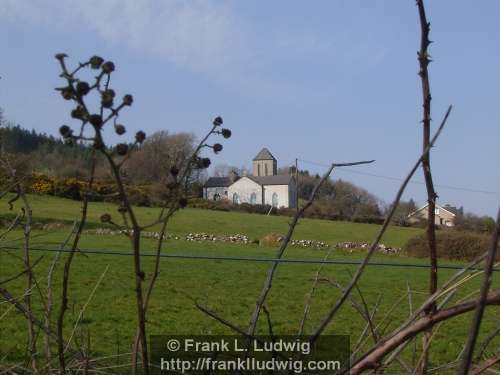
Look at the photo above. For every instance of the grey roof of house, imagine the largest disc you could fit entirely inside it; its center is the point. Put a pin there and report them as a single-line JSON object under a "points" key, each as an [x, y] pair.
{"points": [[452, 209], [218, 182], [264, 154], [271, 180]]}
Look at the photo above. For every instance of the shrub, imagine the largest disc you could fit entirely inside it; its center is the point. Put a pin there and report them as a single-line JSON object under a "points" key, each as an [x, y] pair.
{"points": [[271, 240], [451, 244], [41, 184]]}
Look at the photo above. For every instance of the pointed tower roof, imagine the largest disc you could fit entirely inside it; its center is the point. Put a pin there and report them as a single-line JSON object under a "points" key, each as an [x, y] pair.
{"points": [[264, 154]]}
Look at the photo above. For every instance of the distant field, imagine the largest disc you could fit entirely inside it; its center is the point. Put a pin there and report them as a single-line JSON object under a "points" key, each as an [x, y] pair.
{"points": [[255, 226], [228, 287]]}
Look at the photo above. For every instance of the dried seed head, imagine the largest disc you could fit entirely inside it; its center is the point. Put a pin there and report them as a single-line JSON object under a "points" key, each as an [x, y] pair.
{"points": [[120, 129], [61, 56], [183, 202], [78, 113], [107, 98], [218, 121], [204, 163], [174, 171], [96, 61], [95, 120], [226, 133], [67, 93], [217, 148], [65, 131], [128, 100], [108, 67], [122, 149], [140, 136], [82, 88], [105, 218]]}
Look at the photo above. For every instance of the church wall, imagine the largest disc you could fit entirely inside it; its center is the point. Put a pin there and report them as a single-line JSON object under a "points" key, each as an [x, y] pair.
{"points": [[283, 195], [244, 187]]}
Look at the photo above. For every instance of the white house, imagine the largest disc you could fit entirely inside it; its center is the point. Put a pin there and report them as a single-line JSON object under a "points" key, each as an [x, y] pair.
{"points": [[264, 186], [444, 215]]}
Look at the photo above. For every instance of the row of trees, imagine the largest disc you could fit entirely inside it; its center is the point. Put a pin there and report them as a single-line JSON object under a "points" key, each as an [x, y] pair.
{"points": [[337, 199]]}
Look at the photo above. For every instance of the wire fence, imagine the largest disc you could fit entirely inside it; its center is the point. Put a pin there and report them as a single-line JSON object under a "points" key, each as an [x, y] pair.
{"points": [[242, 259]]}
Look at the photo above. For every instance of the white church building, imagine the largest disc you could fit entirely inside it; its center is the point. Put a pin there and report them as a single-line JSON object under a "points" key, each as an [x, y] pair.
{"points": [[263, 186]]}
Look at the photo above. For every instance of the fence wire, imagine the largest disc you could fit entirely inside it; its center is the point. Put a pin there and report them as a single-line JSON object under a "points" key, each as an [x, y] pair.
{"points": [[242, 259]]}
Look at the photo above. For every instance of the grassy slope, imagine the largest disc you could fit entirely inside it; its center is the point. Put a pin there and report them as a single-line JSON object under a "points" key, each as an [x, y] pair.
{"points": [[230, 288], [196, 220]]}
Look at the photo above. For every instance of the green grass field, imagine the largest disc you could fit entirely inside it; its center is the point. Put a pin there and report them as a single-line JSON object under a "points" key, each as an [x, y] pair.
{"points": [[227, 287], [49, 209]]}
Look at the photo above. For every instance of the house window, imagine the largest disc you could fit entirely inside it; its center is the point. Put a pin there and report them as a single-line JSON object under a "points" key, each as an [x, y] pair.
{"points": [[253, 198], [236, 198], [275, 200]]}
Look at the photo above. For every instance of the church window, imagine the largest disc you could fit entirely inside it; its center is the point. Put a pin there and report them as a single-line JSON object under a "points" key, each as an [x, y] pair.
{"points": [[236, 198], [253, 198], [275, 200], [265, 167], [258, 169]]}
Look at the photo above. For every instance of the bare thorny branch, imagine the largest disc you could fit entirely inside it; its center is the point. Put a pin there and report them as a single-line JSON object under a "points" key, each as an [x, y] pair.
{"points": [[424, 60]]}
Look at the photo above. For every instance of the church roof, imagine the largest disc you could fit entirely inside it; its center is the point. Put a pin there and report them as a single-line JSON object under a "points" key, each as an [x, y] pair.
{"points": [[218, 182], [272, 180], [264, 154]]}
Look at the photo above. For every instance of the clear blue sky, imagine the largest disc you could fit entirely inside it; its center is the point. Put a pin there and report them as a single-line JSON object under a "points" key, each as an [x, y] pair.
{"points": [[322, 81]]}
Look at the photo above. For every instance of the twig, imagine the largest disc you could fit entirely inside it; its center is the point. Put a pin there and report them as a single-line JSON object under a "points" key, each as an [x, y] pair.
{"points": [[13, 224], [66, 272], [27, 213], [372, 360], [32, 266], [85, 306], [48, 310], [28, 314], [361, 339], [410, 305], [486, 342], [486, 365], [232, 326], [307, 306], [478, 315]]}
